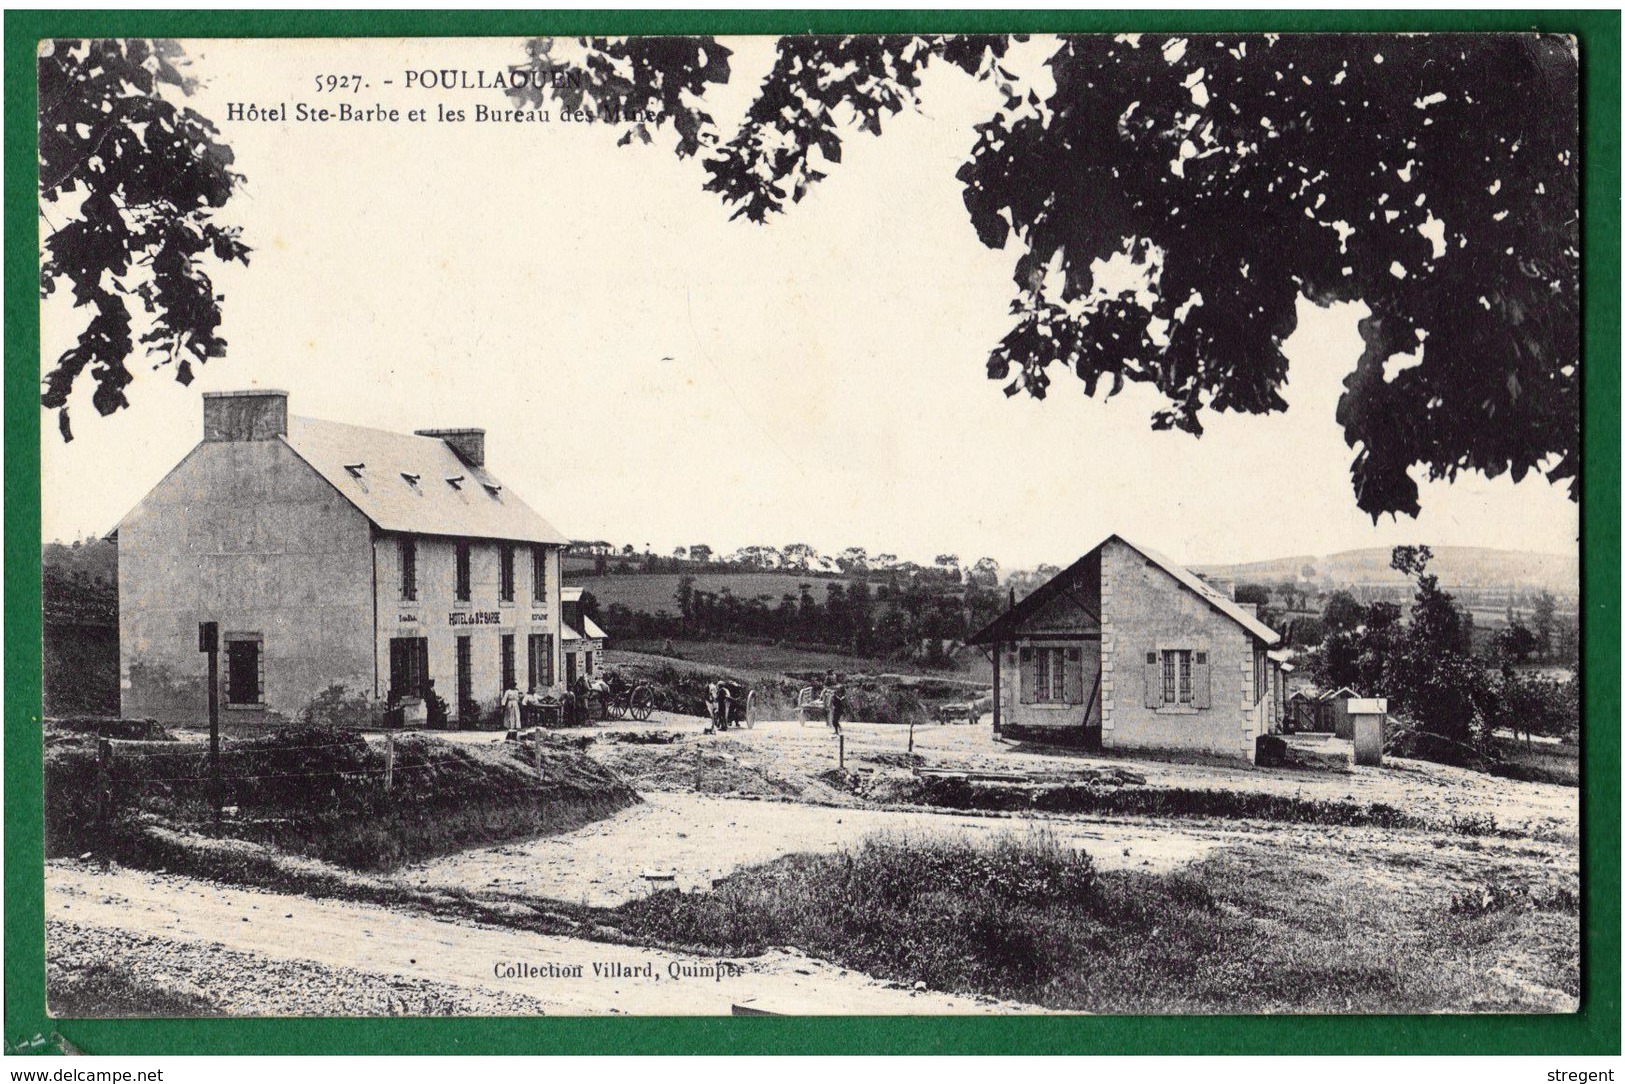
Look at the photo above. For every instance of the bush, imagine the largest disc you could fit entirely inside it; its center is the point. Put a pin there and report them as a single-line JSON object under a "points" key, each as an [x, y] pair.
{"points": [[337, 706], [955, 914]]}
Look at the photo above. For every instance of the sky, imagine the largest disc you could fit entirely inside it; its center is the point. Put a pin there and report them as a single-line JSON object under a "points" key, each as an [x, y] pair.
{"points": [[651, 373]]}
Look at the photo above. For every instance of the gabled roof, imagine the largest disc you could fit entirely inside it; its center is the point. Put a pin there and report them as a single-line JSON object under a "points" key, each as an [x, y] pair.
{"points": [[1007, 622], [374, 469], [1005, 625]]}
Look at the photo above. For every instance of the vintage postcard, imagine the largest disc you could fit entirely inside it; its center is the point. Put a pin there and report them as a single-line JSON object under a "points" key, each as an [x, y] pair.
{"points": [[865, 525]]}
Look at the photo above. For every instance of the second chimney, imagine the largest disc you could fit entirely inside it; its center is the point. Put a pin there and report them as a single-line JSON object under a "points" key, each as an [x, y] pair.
{"points": [[245, 415], [469, 444]]}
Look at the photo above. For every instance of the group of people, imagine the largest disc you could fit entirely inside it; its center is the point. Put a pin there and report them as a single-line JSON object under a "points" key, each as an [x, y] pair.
{"points": [[574, 700]]}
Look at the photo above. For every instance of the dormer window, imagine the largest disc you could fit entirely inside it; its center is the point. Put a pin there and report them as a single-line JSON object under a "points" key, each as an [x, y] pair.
{"points": [[455, 481], [355, 469], [411, 479]]}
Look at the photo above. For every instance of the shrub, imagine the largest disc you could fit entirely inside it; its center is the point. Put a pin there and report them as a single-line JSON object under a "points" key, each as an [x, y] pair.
{"points": [[337, 706]]}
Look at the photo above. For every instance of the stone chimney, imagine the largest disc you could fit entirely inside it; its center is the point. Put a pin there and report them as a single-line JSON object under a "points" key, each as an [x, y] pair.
{"points": [[260, 414], [1251, 608], [469, 444]]}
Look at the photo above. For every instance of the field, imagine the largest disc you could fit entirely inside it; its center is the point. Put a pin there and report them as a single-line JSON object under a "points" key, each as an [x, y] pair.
{"points": [[902, 870], [751, 662]]}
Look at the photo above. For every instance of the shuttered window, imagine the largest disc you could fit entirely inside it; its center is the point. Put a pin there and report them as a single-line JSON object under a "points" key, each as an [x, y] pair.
{"points": [[505, 572], [541, 660], [510, 678], [1049, 675], [463, 573], [465, 678], [1181, 672], [245, 671], [409, 569], [538, 574]]}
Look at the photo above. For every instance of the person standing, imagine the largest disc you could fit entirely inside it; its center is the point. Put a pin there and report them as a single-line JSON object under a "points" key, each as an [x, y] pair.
{"points": [[837, 702], [510, 710]]}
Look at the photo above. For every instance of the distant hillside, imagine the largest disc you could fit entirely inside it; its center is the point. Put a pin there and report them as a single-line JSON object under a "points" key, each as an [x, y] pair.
{"points": [[1456, 566]]}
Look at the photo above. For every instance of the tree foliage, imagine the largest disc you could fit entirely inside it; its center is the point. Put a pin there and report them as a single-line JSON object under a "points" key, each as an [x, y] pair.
{"points": [[129, 182], [1431, 178]]}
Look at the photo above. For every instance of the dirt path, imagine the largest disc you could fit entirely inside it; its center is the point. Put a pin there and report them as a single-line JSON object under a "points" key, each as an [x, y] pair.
{"points": [[689, 840], [556, 973]]}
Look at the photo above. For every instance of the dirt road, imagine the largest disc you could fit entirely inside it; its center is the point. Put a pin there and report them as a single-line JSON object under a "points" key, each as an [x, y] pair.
{"points": [[261, 935], [689, 840]]}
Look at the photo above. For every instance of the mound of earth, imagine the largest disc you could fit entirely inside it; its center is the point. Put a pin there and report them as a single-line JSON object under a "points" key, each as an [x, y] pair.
{"points": [[326, 793], [712, 766]]}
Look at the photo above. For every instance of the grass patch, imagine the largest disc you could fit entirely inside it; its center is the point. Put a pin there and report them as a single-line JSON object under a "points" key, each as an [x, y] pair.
{"points": [[1248, 930], [320, 792], [1093, 797], [103, 990], [1537, 762]]}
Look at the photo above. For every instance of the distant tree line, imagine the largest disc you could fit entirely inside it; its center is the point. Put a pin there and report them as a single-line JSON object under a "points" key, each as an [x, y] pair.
{"points": [[900, 616]]}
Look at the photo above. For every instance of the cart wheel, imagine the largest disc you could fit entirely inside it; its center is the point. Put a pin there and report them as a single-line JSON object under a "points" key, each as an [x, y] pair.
{"points": [[750, 710], [643, 703], [614, 707]]}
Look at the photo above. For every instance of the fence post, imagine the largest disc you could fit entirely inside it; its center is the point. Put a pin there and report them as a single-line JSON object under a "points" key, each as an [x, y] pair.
{"points": [[911, 739], [389, 763], [538, 736], [840, 744], [104, 782]]}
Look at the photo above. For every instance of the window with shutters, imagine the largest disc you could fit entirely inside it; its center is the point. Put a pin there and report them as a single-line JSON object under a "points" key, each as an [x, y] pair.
{"points": [[1049, 686], [409, 569], [465, 678], [510, 678], [541, 660], [408, 667], [538, 574], [245, 670], [464, 574], [505, 572], [1178, 683]]}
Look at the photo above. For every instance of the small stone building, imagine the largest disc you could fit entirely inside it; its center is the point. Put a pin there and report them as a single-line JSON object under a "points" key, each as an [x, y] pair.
{"points": [[1129, 650], [584, 641], [332, 554]]}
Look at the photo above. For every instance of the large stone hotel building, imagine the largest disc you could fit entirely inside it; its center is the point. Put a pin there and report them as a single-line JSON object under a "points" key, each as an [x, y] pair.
{"points": [[333, 554]]}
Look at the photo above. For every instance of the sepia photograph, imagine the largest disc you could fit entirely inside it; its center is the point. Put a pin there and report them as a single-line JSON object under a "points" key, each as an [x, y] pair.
{"points": [[820, 525]]}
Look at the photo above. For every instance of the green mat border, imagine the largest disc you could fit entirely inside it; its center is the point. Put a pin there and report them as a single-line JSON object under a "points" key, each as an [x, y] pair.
{"points": [[1595, 1029]]}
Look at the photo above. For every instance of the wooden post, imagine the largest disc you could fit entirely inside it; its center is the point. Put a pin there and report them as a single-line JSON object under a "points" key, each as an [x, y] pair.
{"points": [[911, 738], [538, 755], [840, 744], [998, 664], [389, 762], [208, 636], [104, 783]]}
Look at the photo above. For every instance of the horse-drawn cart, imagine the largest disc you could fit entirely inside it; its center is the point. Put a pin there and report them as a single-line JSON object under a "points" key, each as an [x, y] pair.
{"points": [[622, 701]]}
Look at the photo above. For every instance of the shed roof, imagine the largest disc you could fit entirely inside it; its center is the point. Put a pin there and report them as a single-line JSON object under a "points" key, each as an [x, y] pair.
{"points": [[589, 630], [418, 484], [1005, 625]]}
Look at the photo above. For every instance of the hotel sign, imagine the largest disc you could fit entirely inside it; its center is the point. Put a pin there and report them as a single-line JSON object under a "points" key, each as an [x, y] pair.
{"points": [[475, 617]]}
